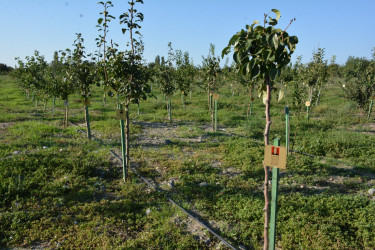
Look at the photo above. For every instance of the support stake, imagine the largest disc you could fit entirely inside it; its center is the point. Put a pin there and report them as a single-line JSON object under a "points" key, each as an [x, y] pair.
{"points": [[287, 129], [275, 185], [88, 122], [215, 104], [123, 149], [369, 110]]}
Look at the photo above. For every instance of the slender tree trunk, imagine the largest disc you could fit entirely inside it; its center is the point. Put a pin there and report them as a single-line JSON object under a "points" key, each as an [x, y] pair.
{"points": [[318, 98], [45, 105], [266, 169]]}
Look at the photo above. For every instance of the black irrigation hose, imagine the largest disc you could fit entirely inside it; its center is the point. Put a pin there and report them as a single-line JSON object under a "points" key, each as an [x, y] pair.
{"points": [[167, 197]]}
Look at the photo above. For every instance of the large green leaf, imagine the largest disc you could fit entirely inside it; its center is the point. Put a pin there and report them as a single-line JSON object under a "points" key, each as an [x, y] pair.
{"points": [[225, 51], [274, 42], [277, 12], [233, 39], [274, 73], [293, 39]]}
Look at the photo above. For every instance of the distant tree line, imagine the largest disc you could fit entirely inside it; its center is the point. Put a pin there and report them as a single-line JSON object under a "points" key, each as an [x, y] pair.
{"points": [[4, 69]]}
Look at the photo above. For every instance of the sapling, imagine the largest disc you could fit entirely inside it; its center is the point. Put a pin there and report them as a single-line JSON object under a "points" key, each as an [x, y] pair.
{"points": [[127, 76], [101, 43], [82, 71], [166, 76], [184, 73], [359, 83], [211, 69], [66, 84], [261, 51]]}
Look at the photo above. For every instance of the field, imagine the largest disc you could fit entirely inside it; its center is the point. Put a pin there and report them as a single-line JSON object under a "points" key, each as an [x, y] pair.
{"points": [[58, 189]]}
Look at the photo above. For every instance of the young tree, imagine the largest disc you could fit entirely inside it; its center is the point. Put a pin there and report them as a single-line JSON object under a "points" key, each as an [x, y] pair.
{"points": [[82, 71], [211, 69], [166, 78], [359, 83], [184, 73], [262, 51], [66, 84], [128, 76], [101, 43], [316, 75]]}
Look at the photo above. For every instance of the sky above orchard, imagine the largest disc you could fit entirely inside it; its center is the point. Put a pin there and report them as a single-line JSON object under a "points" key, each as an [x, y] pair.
{"points": [[343, 27]]}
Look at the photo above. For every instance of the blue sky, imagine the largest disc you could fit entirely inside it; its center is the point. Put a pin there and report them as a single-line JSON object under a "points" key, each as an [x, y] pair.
{"points": [[342, 27]]}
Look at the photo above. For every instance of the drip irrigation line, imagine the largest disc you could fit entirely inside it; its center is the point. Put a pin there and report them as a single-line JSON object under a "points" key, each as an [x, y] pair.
{"points": [[176, 204], [202, 224]]}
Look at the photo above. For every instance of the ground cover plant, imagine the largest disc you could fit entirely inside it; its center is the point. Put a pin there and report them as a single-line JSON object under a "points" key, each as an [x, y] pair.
{"points": [[60, 190]]}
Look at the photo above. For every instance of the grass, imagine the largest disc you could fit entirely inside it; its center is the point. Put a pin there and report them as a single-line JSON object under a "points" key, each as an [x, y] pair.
{"points": [[57, 189]]}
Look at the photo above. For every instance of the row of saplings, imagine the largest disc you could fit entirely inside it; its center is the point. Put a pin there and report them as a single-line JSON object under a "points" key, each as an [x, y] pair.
{"points": [[260, 53]]}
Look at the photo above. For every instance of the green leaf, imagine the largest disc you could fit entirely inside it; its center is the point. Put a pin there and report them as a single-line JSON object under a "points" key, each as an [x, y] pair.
{"points": [[274, 73], [277, 12], [274, 42], [100, 20], [264, 95], [233, 39], [281, 95], [225, 51], [293, 39], [255, 71], [272, 21]]}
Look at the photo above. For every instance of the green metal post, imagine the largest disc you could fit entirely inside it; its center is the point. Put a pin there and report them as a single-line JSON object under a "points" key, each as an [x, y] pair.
{"points": [[88, 122], [275, 185], [183, 100], [215, 104], [210, 98], [54, 104], [369, 111], [251, 108], [308, 113], [169, 109], [123, 149], [33, 96], [287, 129], [139, 109]]}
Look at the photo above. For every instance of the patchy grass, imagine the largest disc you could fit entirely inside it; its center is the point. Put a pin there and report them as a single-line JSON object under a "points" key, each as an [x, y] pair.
{"points": [[59, 190]]}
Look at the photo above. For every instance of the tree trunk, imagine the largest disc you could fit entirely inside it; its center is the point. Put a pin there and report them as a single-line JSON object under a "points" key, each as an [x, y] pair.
{"points": [[266, 169], [318, 97]]}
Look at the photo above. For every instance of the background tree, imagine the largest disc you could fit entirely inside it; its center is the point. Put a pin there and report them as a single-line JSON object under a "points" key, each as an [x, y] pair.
{"points": [[133, 83], [66, 83], [4, 69], [262, 51], [101, 43], [82, 71], [166, 79], [359, 74], [316, 75], [184, 73], [211, 69]]}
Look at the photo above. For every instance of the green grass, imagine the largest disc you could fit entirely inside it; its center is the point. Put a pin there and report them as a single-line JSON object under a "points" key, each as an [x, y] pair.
{"points": [[57, 189]]}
